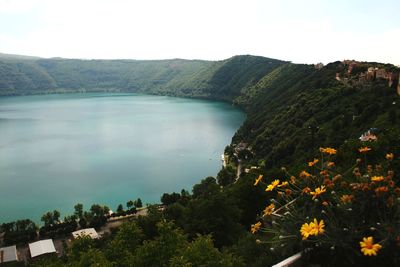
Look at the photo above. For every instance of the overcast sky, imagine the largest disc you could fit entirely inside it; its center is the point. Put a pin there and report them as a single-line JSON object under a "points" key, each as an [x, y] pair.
{"points": [[306, 31]]}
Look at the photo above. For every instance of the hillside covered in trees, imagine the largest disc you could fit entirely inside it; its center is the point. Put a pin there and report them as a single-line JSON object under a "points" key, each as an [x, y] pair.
{"points": [[292, 111], [190, 78]]}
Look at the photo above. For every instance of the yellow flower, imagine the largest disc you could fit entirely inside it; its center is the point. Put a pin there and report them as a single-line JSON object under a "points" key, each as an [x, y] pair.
{"points": [[269, 209], [328, 150], [306, 230], [312, 163], [377, 178], [293, 179], [364, 149], [283, 184], [346, 198], [318, 227], [312, 228], [318, 191], [389, 156], [368, 247], [255, 227], [258, 179], [272, 185], [304, 174]]}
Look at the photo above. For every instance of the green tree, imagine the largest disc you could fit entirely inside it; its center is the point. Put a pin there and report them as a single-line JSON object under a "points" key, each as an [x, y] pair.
{"points": [[79, 210], [98, 210], [92, 258], [226, 176], [159, 251], [120, 208], [201, 252], [120, 250], [168, 199], [129, 204], [214, 214], [51, 218], [56, 216], [46, 261], [207, 186], [80, 245], [149, 222], [138, 203]]}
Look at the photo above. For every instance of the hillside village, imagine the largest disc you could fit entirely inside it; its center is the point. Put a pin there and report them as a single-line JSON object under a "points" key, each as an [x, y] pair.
{"points": [[360, 73]]}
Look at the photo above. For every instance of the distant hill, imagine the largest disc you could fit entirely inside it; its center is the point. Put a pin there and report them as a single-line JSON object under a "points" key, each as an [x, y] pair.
{"points": [[223, 80]]}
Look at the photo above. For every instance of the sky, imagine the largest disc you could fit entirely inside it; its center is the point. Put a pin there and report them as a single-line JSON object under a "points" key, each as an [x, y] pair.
{"points": [[307, 31]]}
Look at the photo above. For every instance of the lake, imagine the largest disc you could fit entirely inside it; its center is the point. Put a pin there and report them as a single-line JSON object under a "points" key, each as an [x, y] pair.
{"points": [[59, 150]]}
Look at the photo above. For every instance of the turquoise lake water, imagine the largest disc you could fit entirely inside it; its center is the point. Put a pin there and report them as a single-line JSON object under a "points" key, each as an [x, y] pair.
{"points": [[59, 150]]}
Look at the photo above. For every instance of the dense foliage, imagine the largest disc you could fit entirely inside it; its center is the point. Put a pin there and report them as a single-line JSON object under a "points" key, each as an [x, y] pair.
{"points": [[296, 109]]}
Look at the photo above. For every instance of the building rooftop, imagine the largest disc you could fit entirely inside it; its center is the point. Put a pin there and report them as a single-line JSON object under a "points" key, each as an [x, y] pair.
{"points": [[91, 232], [8, 254], [41, 247]]}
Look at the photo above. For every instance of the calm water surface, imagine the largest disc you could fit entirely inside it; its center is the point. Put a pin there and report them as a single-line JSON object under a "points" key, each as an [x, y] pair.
{"points": [[59, 150]]}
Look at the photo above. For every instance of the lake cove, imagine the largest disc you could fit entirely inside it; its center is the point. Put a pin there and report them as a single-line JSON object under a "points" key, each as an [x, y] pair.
{"points": [[59, 150]]}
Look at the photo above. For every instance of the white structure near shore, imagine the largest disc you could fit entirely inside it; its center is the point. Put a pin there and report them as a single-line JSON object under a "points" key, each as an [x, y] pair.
{"points": [[90, 232], [41, 247], [8, 254]]}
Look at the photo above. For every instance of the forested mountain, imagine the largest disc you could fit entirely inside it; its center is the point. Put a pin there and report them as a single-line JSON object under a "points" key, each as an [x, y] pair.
{"points": [[191, 78], [297, 108]]}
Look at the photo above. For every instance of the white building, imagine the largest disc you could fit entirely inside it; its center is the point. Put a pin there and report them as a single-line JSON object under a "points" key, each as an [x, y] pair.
{"points": [[90, 232], [8, 254], [41, 247]]}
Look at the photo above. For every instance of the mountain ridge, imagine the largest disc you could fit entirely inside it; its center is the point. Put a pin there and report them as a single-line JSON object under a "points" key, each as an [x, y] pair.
{"points": [[181, 77]]}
